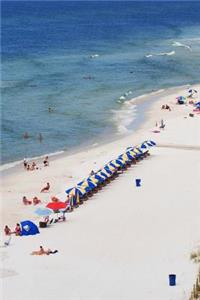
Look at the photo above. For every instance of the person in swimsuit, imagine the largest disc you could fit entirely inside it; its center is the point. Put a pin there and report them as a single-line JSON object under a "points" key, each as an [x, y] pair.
{"points": [[46, 188]]}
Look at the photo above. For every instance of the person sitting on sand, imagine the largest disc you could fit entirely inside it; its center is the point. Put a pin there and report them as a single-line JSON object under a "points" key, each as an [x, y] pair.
{"points": [[36, 201], [28, 168], [44, 252], [46, 188], [26, 201], [168, 107], [17, 230], [7, 230], [46, 161]]}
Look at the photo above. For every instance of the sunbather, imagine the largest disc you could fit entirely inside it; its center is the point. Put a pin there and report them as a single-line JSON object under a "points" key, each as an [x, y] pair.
{"points": [[46, 188], [44, 252]]}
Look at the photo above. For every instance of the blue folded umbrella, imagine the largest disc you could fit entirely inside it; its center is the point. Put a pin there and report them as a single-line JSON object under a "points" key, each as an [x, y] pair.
{"points": [[43, 212]]}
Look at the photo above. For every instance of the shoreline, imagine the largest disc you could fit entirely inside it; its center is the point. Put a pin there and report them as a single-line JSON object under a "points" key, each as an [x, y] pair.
{"points": [[135, 236], [79, 163], [14, 166]]}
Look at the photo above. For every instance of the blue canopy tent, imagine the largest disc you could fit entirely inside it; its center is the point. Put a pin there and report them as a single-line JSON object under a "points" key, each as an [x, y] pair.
{"points": [[28, 228]]}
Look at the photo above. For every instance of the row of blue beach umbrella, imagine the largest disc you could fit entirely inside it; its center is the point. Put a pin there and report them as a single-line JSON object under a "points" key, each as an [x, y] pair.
{"points": [[87, 187]]}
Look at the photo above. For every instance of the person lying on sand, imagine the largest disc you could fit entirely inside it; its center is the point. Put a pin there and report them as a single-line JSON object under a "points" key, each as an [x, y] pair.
{"points": [[46, 188], [44, 252]]}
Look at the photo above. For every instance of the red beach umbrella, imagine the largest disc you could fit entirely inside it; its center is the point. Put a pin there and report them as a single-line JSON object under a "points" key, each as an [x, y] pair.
{"points": [[56, 205]]}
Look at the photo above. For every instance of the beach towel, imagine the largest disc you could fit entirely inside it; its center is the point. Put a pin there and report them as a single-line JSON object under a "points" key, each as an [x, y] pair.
{"points": [[53, 252]]}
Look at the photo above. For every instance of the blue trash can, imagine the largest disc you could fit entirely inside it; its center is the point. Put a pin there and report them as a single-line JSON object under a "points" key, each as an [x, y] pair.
{"points": [[172, 279], [138, 182]]}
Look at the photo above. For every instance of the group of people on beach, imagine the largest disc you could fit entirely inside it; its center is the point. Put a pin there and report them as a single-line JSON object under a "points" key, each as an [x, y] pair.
{"points": [[17, 230], [32, 166], [34, 201], [166, 106]]}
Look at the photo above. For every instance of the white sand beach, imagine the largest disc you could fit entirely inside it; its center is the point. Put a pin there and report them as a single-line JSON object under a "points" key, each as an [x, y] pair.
{"points": [[125, 240]]}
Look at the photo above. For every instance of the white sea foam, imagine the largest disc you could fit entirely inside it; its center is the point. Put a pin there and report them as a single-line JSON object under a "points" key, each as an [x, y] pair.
{"points": [[161, 54], [94, 55], [124, 117], [178, 44], [123, 97]]}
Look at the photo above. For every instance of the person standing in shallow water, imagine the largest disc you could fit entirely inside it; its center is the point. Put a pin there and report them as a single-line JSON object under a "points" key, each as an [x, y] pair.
{"points": [[40, 137], [26, 135]]}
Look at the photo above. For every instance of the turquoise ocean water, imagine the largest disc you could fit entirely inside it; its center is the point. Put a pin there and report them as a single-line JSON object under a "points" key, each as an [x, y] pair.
{"points": [[85, 61]]}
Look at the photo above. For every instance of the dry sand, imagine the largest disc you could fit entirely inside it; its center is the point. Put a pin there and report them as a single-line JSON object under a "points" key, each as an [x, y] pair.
{"points": [[123, 242]]}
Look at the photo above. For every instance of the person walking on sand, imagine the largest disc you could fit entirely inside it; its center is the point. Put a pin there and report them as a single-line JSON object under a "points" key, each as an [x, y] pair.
{"points": [[46, 188], [162, 124]]}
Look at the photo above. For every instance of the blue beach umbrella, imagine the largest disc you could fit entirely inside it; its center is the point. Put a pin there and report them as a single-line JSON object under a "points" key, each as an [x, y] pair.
{"points": [[124, 158], [152, 143], [43, 212], [108, 170], [144, 145], [99, 177], [93, 180], [68, 191], [131, 155], [113, 164], [104, 174], [142, 150], [91, 184]]}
